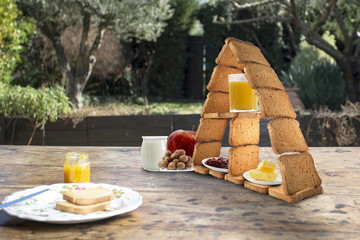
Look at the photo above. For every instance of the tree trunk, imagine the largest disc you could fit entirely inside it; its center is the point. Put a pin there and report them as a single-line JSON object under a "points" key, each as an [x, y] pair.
{"points": [[141, 64], [351, 73], [146, 77], [65, 66], [85, 62]]}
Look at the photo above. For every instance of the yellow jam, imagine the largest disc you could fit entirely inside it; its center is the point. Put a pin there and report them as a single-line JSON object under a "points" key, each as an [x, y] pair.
{"points": [[77, 168], [242, 96]]}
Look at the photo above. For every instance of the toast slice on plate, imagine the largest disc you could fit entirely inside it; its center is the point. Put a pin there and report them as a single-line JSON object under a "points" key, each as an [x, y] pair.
{"points": [[81, 209], [89, 196]]}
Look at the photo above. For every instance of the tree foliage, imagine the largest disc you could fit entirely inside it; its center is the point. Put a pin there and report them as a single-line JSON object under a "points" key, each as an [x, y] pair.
{"points": [[170, 60], [14, 33], [158, 68], [16, 101], [219, 20], [313, 18], [140, 19]]}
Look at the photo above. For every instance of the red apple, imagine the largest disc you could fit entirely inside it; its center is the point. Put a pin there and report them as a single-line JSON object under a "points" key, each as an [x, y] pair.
{"points": [[182, 139]]}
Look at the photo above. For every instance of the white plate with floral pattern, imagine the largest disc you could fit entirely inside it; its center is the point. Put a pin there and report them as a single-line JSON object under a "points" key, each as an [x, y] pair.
{"points": [[42, 207]]}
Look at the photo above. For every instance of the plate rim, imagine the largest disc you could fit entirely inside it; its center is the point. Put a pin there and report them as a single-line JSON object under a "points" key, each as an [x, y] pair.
{"points": [[177, 170], [246, 175], [224, 170], [77, 218]]}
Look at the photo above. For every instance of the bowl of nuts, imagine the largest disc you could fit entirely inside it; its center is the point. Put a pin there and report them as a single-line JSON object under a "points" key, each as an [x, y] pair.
{"points": [[176, 161]]}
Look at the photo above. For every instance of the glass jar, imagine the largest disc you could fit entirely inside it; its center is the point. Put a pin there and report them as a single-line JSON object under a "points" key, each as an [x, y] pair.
{"points": [[77, 167], [153, 149]]}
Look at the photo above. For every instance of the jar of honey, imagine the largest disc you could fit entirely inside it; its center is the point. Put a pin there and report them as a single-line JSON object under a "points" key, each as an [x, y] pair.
{"points": [[77, 167]]}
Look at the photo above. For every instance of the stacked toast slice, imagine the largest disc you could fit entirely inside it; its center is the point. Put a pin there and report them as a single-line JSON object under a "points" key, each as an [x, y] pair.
{"points": [[299, 176], [86, 201]]}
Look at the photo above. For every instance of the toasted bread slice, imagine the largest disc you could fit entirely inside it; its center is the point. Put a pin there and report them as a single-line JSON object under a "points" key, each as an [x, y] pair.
{"points": [[227, 58], [216, 102], [256, 187], [201, 169], [89, 196], [242, 159], [274, 103], [78, 209], [298, 172], [278, 192], [245, 52], [204, 150], [237, 180], [217, 174], [259, 75], [219, 78], [286, 136], [244, 131], [211, 129]]}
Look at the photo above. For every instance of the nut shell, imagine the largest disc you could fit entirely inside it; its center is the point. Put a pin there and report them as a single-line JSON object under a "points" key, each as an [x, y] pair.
{"points": [[175, 161], [180, 165], [166, 158], [171, 166], [177, 153], [183, 158], [167, 153], [189, 164], [163, 164]]}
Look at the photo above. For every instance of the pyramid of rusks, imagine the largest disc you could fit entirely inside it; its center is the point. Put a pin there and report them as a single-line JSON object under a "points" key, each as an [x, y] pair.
{"points": [[299, 176]]}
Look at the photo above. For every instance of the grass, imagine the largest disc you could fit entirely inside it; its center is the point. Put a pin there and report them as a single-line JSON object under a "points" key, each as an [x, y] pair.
{"points": [[113, 107]]}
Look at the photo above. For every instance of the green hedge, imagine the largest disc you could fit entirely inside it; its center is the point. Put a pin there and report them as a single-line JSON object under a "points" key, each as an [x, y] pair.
{"points": [[42, 105]]}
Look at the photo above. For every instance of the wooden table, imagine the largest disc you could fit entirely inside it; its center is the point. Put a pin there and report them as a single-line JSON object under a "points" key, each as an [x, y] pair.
{"points": [[188, 205]]}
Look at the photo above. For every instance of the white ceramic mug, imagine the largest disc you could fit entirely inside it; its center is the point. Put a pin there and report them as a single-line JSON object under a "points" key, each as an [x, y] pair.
{"points": [[153, 149]]}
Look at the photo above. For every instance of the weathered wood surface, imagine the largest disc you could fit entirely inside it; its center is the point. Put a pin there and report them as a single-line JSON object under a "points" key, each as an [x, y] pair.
{"points": [[188, 205]]}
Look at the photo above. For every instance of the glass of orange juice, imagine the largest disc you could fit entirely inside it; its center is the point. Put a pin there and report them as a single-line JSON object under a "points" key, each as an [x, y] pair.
{"points": [[77, 167], [242, 96]]}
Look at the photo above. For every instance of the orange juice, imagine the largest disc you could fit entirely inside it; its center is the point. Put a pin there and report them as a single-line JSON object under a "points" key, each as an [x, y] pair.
{"points": [[76, 168], [242, 96]]}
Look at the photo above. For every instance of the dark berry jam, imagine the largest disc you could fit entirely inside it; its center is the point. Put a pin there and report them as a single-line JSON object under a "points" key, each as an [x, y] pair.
{"points": [[220, 162]]}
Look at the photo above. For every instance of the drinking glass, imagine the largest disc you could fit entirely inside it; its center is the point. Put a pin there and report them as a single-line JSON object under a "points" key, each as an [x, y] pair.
{"points": [[241, 96]]}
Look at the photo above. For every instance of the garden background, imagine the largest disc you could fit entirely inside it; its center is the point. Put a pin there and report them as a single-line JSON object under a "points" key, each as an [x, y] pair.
{"points": [[65, 65]]}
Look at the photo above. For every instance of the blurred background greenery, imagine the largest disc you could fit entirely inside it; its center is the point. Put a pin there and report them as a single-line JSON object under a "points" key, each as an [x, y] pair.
{"points": [[58, 56]]}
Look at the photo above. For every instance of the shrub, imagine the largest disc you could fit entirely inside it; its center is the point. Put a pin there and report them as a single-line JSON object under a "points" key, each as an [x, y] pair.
{"points": [[320, 84], [14, 33], [41, 105]]}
